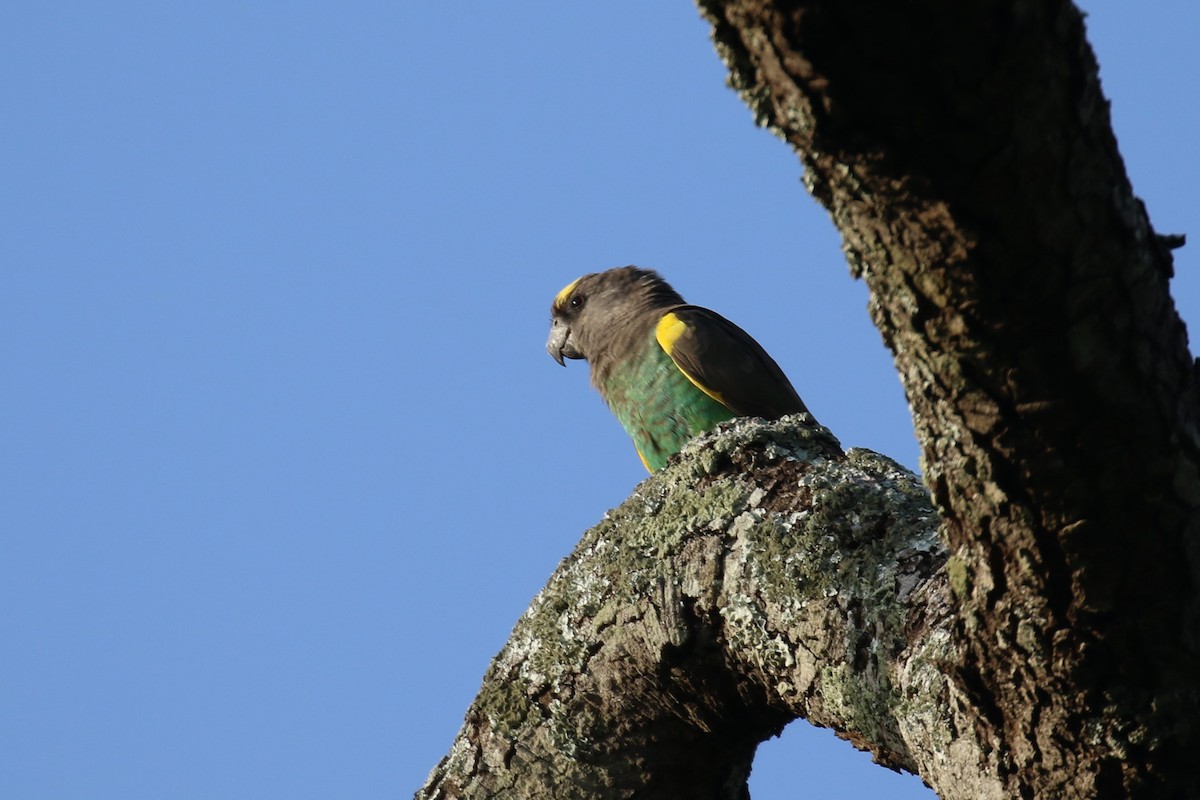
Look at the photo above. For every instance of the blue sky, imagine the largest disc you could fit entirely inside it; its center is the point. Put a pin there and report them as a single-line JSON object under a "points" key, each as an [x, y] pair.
{"points": [[283, 455]]}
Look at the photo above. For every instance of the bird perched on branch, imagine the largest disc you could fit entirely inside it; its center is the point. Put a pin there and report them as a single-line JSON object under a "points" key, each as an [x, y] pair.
{"points": [[668, 371]]}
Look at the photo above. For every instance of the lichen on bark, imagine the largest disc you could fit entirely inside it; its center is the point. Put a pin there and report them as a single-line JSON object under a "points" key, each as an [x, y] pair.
{"points": [[762, 576]]}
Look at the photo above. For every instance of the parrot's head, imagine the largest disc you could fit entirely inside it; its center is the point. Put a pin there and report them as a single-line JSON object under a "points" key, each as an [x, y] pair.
{"points": [[591, 314]]}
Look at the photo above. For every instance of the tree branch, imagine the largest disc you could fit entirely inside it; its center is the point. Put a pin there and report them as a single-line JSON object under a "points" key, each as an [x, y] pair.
{"points": [[762, 577]]}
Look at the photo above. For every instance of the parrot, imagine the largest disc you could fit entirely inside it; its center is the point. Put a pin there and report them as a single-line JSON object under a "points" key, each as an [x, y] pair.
{"points": [[667, 370]]}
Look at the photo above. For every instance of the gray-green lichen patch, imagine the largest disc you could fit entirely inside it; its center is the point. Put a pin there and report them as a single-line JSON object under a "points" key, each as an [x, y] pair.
{"points": [[921, 705], [800, 553], [858, 703], [840, 550]]}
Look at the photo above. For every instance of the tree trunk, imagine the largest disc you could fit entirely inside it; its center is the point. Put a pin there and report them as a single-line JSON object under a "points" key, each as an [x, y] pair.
{"points": [[965, 153]]}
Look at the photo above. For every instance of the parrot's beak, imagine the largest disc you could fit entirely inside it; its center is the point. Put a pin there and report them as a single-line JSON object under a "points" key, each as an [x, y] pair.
{"points": [[559, 345]]}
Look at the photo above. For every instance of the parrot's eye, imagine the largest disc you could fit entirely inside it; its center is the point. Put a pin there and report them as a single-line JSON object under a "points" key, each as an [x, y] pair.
{"points": [[576, 302]]}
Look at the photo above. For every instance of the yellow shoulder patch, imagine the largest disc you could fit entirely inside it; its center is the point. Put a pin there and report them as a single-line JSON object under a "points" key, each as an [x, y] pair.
{"points": [[667, 332], [560, 299]]}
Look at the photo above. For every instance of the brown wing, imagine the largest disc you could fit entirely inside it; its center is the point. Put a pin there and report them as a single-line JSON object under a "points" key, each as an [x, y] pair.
{"points": [[726, 363]]}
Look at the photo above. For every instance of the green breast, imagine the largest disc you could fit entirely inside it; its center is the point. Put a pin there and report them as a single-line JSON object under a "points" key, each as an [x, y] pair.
{"points": [[658, 406]]}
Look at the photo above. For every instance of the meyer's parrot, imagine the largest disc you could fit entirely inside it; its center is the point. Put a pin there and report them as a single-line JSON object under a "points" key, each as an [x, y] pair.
{"points": [[668, 370]]}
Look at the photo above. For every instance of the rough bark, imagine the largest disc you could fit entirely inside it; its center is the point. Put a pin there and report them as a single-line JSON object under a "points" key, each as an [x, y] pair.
{"points": [[765, 576], [966, 155], [964, 151]]}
